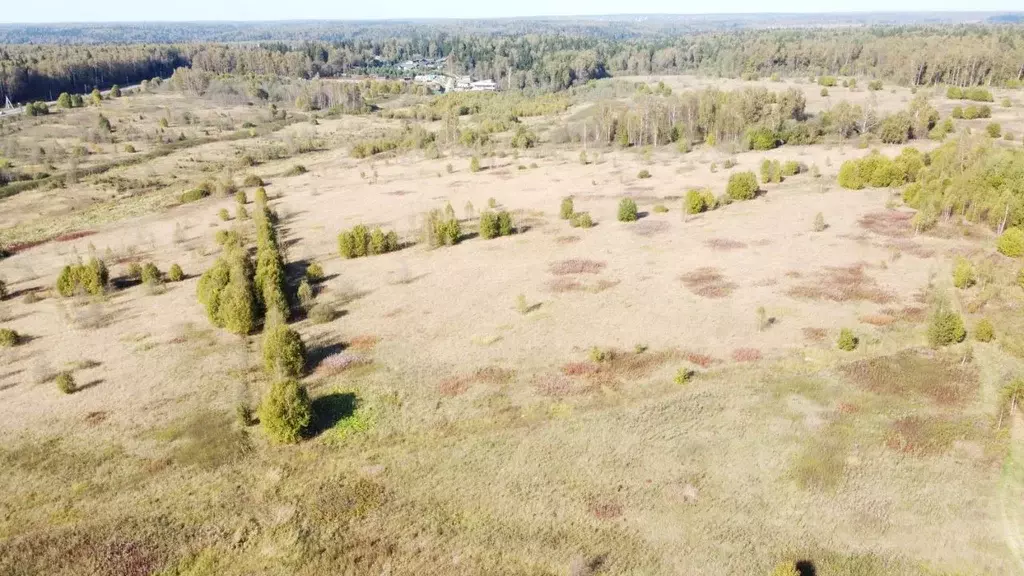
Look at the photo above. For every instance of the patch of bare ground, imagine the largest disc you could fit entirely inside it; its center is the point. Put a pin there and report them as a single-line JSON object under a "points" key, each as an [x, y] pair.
{"points": [[648, 228], [944, 379], [575, 266], [765, 282], [891, 223], [708, 282], [812, 334], [842, 284], [723, 244], [746, 355]]}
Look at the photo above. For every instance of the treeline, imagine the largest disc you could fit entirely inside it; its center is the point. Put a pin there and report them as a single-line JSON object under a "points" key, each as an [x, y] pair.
{"points": [[962, 55]]}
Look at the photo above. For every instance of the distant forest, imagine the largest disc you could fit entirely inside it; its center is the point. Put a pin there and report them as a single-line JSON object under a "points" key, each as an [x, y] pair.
{"points": [[550, 54]]}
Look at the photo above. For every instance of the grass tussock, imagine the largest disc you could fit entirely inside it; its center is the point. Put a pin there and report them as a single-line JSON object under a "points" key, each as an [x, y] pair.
{"points": [[567, 284], [708, 282], [575, 266], [926, 435], [843, 284]]}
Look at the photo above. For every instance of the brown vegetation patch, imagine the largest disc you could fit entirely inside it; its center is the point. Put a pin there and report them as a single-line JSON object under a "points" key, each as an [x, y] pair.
{"points": [[363, 343], [793, 274], [907, 313], [842, 284], [96, 418], [557, 386], [494, 375], [910, 247], [604, 509], [454, 385], [564, 284], [708, 282], [815, 334], [579, 369], [724, 244], [925, 436], [877, 319], [891, 223], [914, 372], [699, 359], [576, 266], [648, 228], [622, 366], [746, 355], [765, 282], [567, 239]]}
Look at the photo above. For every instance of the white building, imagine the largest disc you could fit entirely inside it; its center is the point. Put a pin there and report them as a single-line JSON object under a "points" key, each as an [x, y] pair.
{"points": [[483, 86]]}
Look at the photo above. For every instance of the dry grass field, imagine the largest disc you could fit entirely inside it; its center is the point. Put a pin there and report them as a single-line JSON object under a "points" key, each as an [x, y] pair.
{"points": [[504, 406]]}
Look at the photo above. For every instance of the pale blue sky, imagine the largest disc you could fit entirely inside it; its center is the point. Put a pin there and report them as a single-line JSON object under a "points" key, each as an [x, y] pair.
{"points": [[192, 10]]}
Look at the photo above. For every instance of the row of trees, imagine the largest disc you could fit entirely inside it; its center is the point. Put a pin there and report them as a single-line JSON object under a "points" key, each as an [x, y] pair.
{"points": [[552, 59]]}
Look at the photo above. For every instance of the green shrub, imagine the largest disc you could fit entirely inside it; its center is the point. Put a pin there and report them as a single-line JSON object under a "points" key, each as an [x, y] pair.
{"points": [[240, 197], [847, 341], [896, 128], [252, 180], [566, 210], [305, 294], [1011, 243], [8, 338], [175, 274], [1005, 103], [954, 93], [241, 214], [694, 203], [785, 569], [3, 289], [151, 274], [223, 214], [314, 272], [599, 355], [581, 220], [824, 92], [829, 81], [792, 168], [474, 164], [285, 411], [89, 278], [129, 149], [994, 130], [660, 209], [683, 376], [194, 195], [771, 171], [296, 170], [742, 186], [946, 327], [66, 383], [134, 271], [441, 230], [643, 174], [983, 331], [957, 113], [627, 210], [261, 196], [64, 100], [227, 292], [359, 242], [963, 273], [505, 226], [321, 313], [875, 85], [284, 354]]}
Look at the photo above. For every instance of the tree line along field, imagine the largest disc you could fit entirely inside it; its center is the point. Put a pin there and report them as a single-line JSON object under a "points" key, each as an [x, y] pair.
{"points": [[660, 325]]}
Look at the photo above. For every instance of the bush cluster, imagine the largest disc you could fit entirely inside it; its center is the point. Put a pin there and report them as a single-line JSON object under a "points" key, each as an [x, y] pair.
{"points": [[771, 171], [151, 274], [442, 228], [975, 93], [286, 411], [252, 180], [983, 331], [878, 171], [269, 276], [227, 292], [742, 186], [360, 241], [88, 278], [581, 220], [493, 225], [699, 200]]}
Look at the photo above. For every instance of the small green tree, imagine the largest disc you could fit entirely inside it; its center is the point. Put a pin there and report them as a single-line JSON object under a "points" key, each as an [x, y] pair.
{"points": [[963, 273], [984, 331], [581, 220], [64, 100], [994, 130], [314, 272], [305, 294], [286, 411], [1011, 243], [488, 225], [96, 97], [9, 338], [66, 383], [627, 210], [284, 353], [694, 203], [566, 210], [151, 274], [847, 341], [474, 164], [946, 327], [115, 91], [223, 214], [175, 274], [742, 186]]}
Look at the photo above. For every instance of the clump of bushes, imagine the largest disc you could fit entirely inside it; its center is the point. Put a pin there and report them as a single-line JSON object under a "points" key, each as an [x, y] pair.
{"points": [[284, 353], [879, 171], [360, 241], [994, 130], [296, 170], [493, 225], [241, 198], [983, 331], [175, 273], [828, 81], [223, 214], [66, 383], [759, 138], [286, 411], [875, 85], [946, 327], [194, 195], [314, 272], [972, 112], [566, 210], [976, 93], [963, 273], [742, 186], [9, 338], [151, 274], [1011, 242], [771, 171], [252, 180], [305, 294], [847, 341], [643, 174], [89, 278], [627, 210], [792, 168], [269, 277], [443, 228], [227, 291], [698, 201], [261, 196], [581, 220], [683, 376]]}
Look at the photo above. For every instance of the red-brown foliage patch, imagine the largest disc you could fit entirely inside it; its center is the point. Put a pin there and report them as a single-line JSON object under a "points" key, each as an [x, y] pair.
{"points": [[579, 369], [877, 319], [909, 373], [891, 223], [363, 343], [702, 360], [842, 284], [910, 247], [566, 284], [708, 282], [922, 436], [815, 334], [746, 354], [454, 385], [604, 509]]}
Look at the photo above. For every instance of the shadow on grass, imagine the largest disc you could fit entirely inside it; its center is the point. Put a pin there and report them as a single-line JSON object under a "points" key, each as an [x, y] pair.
{"points": [[318, 354], [806, 568], [330, 409]]}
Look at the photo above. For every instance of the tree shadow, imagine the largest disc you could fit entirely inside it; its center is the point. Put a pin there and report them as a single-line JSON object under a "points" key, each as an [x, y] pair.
{"points": [[318, 354], [124, 282], [806, 568], [642, 215], [329, 410], [88, 385]]}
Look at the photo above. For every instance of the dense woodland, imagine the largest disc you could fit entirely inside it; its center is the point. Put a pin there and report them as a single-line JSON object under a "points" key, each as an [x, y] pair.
{"points": [[960, 55]]}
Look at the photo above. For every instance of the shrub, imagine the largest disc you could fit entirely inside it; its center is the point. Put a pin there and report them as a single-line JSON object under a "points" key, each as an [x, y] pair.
{"points": [[223, 214], [946, 327], [792, 168], [742, 186], [90, 278], [194, 195], [994, 130], [261, 196], [829, 81], [151, 274], [1005, 103], [474, 164], [129, 149], [847, 341], [305, 294], [598, 355], [694, 203], [963, 273], [875, 85], [760, 138], [729, 163], [66, 383], [627, 210], [321, 313], [660, 209], [785, 569], [241, 213], [284, 354], [983, 331], [64, 100], [896, 128], [1011, 243], [359, 242], [296, 170], [3, 290], [566, 210], [824, 92], [643, 174], [252, 180], [134, 271], [285, 411], [819, 222], [227, 292], [175, 274], [954, 93], [771, 171], [314, 272], [8, 338], [957, 113], [241, 198], [442, 230], [683, 376], [581, 220]]}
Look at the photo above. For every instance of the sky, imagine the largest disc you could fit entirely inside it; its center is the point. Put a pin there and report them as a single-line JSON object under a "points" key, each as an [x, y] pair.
{"points": [[21, 11]]}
